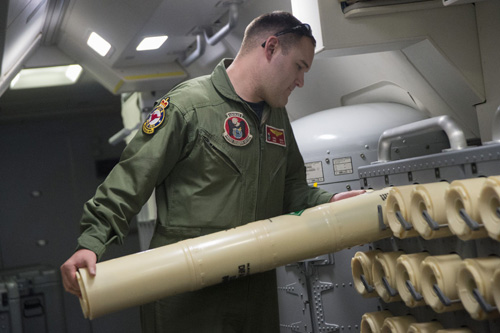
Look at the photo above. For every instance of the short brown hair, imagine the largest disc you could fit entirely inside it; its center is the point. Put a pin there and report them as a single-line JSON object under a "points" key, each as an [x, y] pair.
{"points": [[268, 25]]}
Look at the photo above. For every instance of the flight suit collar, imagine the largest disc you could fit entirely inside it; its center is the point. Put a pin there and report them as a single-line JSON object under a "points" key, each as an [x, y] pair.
{"points": [[221, 81], [223, 84]]}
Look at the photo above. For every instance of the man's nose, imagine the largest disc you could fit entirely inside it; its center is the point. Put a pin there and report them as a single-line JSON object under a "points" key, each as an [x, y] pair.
{"points": [[300, 80]]}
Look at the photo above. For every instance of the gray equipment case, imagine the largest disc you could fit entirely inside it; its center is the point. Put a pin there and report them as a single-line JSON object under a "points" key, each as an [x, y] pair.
{"points": [[31, 300]]}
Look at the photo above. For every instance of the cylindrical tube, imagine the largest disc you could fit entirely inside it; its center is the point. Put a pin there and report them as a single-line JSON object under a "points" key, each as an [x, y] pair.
{"points": [[476, 274], [489, 206], [441, 271], [456, 330], [429, 327], [384, 275], [252, 248], [399, 201], [429, 198], [463, 196], [372, 322], [408, 270], [495, 287], [398, 324], [362, 266]]}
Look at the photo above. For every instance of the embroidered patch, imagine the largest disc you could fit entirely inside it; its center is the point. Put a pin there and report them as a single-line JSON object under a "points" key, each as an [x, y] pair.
{"points": [[156, 117], [236, 130], [275, 136]]}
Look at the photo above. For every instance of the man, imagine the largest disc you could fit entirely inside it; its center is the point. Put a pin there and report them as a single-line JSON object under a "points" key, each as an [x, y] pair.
{"points": [[220, 152]]}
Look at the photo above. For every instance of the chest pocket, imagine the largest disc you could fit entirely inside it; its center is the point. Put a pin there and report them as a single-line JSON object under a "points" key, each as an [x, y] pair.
{"points": [[209, 191], [217, 153]]}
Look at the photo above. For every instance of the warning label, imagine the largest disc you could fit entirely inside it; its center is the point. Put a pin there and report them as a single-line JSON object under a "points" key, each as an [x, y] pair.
{"points": [[314, 172], [342, 166]]}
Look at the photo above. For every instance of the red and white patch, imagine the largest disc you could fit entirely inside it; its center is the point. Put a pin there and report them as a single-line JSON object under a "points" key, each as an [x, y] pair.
{"points": [[156, 117], [276, 136], [236, 129]]}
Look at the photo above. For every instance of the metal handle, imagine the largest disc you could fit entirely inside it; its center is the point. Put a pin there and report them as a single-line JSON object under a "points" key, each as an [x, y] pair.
{"points": [[200, 49], [392, 292], [442, 297], [430, 221], [380, 213], [482, 302], [414, 293], [446, 123], [405, 224], [495, 131], [368, 288], [473, 225], [233, 19]]}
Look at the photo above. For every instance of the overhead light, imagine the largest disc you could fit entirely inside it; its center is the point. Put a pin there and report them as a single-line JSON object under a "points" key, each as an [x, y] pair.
{"points": [[98, 44], [151, 43], [46, 77]]}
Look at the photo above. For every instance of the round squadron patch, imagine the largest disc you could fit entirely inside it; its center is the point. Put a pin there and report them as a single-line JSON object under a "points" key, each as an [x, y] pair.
{"points": [[236, 130], [156, 117]]}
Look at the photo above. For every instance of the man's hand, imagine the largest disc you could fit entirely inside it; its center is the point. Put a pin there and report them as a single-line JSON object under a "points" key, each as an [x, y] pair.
{"points": [[80, 259], [345, 195]]}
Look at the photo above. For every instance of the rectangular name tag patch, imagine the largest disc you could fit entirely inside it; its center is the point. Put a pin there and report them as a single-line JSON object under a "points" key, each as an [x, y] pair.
{"points": [[275, 136]]}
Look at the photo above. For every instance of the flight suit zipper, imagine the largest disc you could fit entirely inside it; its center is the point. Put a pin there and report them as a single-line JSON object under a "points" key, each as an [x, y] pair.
{"points": [[259, 124]]}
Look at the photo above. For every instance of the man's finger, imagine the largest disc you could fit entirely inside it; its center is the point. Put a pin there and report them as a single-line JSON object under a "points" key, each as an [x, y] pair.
{"points": [[345, 195]]}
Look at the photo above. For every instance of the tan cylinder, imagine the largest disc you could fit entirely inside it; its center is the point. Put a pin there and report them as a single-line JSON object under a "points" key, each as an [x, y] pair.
{"points": [[399, 201], [430, 198], [441, 270], [255, 247], [464, 194], [372, 322], [408, 269], [477, 274], [455, 330], [362, 265], [385, 268], [489, 205], [429, 327], [495, 287], [398, 324]]}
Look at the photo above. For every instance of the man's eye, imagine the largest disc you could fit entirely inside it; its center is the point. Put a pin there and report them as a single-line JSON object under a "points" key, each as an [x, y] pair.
{"points": [[299, 67]]}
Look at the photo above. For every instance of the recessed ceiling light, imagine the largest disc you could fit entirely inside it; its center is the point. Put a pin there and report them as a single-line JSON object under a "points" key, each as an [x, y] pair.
{"points": [[151, 43], [46, 77], [98, 44]]}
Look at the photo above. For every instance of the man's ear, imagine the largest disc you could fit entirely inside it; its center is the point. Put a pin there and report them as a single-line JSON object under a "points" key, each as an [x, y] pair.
{"points": [[271, 47]]}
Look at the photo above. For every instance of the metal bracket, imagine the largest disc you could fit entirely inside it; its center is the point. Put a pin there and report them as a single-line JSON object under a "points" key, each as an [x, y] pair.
{"points": [[482, 302], [368, 288], [392, 292], [414, 293], [473, 225], [406, 225], [381, 223], [318, 288], [442, 297], [430, 221]]}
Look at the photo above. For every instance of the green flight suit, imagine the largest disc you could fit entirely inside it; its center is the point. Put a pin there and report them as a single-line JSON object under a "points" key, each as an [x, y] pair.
{"points": [[214, 166]]}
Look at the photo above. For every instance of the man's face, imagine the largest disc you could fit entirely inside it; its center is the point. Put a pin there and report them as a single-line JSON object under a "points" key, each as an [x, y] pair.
{"points": [[288, 72]]}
